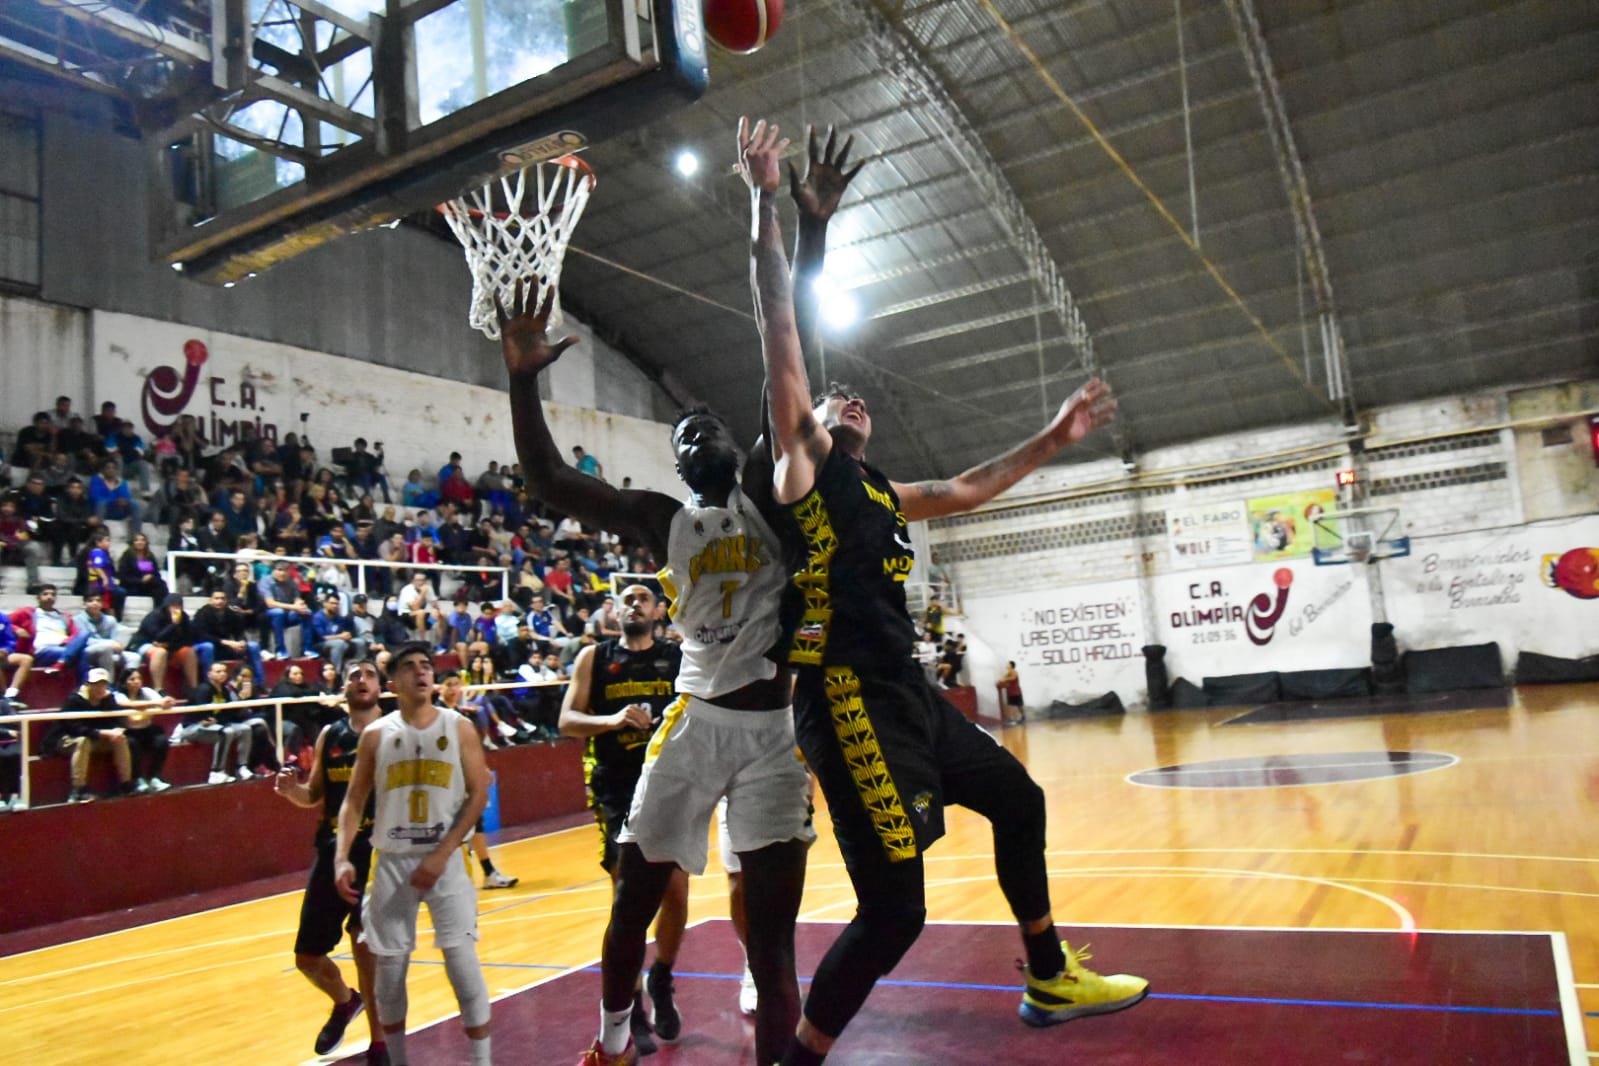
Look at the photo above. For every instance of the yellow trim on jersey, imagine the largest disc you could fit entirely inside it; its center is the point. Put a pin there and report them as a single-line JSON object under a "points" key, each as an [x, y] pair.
{"points": [[669, 587], [669, 719], [863, 757], [810, 638]]}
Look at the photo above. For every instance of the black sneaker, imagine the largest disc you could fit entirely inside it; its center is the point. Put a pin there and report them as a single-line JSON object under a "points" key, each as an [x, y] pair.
{"points": [[332, 1034], [663, 1011], [377, 1055], [639, 1029]]}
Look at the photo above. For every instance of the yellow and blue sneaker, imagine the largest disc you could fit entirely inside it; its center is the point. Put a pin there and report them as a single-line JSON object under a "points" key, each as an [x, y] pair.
{"points": [[1077, 991]]}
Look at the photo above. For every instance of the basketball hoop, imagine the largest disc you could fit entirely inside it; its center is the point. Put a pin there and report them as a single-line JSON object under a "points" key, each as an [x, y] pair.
{"points": [[513, 229]]}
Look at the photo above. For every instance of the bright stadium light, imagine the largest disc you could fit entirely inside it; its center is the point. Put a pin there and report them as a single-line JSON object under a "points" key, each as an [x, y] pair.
{"points": [[688, 164], [838, 306]]}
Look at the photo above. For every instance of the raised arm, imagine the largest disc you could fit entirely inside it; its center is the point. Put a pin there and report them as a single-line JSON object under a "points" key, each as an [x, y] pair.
{"points": [[1083, 412], [799, 443], [816, 195], [528, 351]]}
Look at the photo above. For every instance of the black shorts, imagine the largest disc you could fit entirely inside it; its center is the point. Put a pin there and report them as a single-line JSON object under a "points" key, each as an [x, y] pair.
{"points": [[324, 916], [609, 821], [890, 753], [1014, 699]]}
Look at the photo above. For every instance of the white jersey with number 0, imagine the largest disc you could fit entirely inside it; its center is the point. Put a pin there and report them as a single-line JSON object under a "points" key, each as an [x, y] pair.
{"points": [[725, 576], [419, 782]]}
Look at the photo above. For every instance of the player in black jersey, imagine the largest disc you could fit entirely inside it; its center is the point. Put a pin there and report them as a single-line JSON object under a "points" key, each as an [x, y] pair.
{"points": [[324, 916], [889, 752], [619, 691]]}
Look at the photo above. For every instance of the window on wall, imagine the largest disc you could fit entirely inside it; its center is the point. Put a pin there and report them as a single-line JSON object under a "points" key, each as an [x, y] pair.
{"points": [[19, 200]]}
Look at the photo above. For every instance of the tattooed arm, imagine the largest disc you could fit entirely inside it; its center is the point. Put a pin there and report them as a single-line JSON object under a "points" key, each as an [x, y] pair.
{"points": [[1084, 411]]}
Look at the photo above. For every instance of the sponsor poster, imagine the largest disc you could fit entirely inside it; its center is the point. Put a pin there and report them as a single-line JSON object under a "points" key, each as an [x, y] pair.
{"points": [[1072, 644], [1284, 527], [1528, 588], [1293, 615], [1214, 534]]}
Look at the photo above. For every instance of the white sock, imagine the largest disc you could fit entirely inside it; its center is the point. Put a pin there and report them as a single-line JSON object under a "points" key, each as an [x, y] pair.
{"points": [[480, 1052], [395, 1042], [613, 1029]]}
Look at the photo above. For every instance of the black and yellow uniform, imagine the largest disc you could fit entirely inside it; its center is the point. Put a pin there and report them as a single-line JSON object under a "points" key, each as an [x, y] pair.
{"points": [[613, 761], [324, 915]]}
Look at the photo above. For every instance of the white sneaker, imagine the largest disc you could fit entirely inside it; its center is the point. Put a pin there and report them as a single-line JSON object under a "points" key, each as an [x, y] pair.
{"points": [[17, 803], [499, 880], [747, 996], [218, 777], [244, 773], [142, 786], [158, 785]]}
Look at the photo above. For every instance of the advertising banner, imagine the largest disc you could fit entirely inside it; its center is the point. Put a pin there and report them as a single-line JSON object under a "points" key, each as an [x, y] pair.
{"points": [[1214, 534], [1284, 527]]}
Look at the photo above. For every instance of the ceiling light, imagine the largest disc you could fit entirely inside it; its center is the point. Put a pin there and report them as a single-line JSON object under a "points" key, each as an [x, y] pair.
{"points": [[688, 164]]}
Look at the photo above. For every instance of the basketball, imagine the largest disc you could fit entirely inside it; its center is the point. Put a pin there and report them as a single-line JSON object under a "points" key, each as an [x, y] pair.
{"points": [[741, 26]]}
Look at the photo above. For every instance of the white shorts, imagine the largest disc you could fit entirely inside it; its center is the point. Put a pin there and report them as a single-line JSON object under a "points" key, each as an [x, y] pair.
{"points": [[388, 910], [730, 859], [702, 752]]}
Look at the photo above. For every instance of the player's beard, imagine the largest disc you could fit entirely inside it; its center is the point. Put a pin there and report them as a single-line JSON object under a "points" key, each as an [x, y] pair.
{"points": [[636, 629]]}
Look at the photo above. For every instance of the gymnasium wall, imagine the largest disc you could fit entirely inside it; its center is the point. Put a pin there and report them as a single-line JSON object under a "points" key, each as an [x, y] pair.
{"points": [[1077, 567]]}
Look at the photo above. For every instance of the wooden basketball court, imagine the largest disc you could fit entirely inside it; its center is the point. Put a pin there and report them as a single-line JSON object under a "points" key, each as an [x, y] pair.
{"points": [[1278, 922]]}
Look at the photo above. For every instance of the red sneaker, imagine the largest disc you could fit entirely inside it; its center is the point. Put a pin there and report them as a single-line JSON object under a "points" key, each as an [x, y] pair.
{"points": [[596, 1056]]}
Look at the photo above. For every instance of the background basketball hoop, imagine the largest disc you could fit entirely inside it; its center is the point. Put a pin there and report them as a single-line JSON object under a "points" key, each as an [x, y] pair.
{"points": [[516, 228]]}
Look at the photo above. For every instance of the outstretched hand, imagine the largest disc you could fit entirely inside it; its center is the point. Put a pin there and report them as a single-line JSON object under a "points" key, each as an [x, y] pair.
{"points": [[759, 150], [818, 193], [523, 339], [1084, 411]]}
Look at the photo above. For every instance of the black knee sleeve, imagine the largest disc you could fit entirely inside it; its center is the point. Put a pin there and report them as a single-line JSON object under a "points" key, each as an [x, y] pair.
{"points": [[869, 947], [1019, 840]]}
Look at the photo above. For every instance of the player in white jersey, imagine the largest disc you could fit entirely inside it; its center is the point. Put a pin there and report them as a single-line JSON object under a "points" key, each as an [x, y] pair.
{"points": [[730, 732], [425, 763]]}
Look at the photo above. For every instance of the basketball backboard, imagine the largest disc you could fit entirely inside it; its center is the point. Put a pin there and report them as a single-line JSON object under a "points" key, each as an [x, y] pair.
{"points": [[325, 117], [1358, 535]]}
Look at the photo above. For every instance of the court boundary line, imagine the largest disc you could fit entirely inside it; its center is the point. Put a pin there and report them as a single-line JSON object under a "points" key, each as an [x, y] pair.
{"points": [[1570, 1006]]}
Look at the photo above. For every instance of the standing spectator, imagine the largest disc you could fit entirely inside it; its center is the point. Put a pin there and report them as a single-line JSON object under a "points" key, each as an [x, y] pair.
{"points": [[46, 634], [586, 463], [301, 719], [217, 537], [139, 571], [219, 630], [97, 579], [285, 606], [186, 436], [166, 635], [214, 724], [84, 737], [102, 649], [1009, 687], [38, 508], [335, 636], [362, 467], [192, 573], [147, 741], [14, 666], [110, 497], [125, 443]]}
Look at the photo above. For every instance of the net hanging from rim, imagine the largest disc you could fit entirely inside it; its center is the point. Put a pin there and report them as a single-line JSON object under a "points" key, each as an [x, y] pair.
{"points": [[515, 229]]}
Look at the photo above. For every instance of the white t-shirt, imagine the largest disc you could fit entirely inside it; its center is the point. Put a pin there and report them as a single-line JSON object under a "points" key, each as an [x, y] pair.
{"points": [[49, 628]]}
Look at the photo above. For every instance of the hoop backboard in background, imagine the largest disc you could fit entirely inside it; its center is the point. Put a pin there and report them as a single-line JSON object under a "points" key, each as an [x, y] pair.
{"points": [[327, 118], [1359, 535]]}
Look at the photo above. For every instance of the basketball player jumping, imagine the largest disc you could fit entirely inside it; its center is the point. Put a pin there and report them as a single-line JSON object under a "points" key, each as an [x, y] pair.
{"points": [[425, 763], [324, 916], [889, 752], [618, 693]]}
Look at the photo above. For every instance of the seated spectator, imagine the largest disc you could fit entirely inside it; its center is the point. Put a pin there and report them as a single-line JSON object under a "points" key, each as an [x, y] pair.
{"points": [[511, 655], [364, 626], [186, 437], [387, 525], [391, 631], [332, 577], [178, 497], [263, 756], [36, 444], [237, 513], [245, 603], [420, 610], [558, 586], [492, 488], [289, 531], [285, 606], [102, 649], [547, 627], [18, 543], [213, 723], [110, 497], [950, 663], [47, 634], [147, 740], [166, 637], [14, 667], [85, 450], [84, 737], [192, 573], [219, 631], [139, 571], [413, 494], [107, 421], [302, 720], [315, 512], [335, 636], [126, 444], [38, 508], [216, 536], [605, 622]]}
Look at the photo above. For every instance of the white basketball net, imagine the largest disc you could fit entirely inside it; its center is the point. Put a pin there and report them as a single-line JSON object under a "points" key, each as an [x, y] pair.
{"points": [[522, 238]]}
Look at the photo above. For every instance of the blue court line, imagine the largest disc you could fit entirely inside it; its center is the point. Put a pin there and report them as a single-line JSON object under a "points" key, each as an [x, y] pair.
{"points": [[1270, 1001]]}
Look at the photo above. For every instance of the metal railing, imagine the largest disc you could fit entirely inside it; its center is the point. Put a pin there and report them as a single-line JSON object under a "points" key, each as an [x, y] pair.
{"points": [[320, 561], [275, 702]]}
